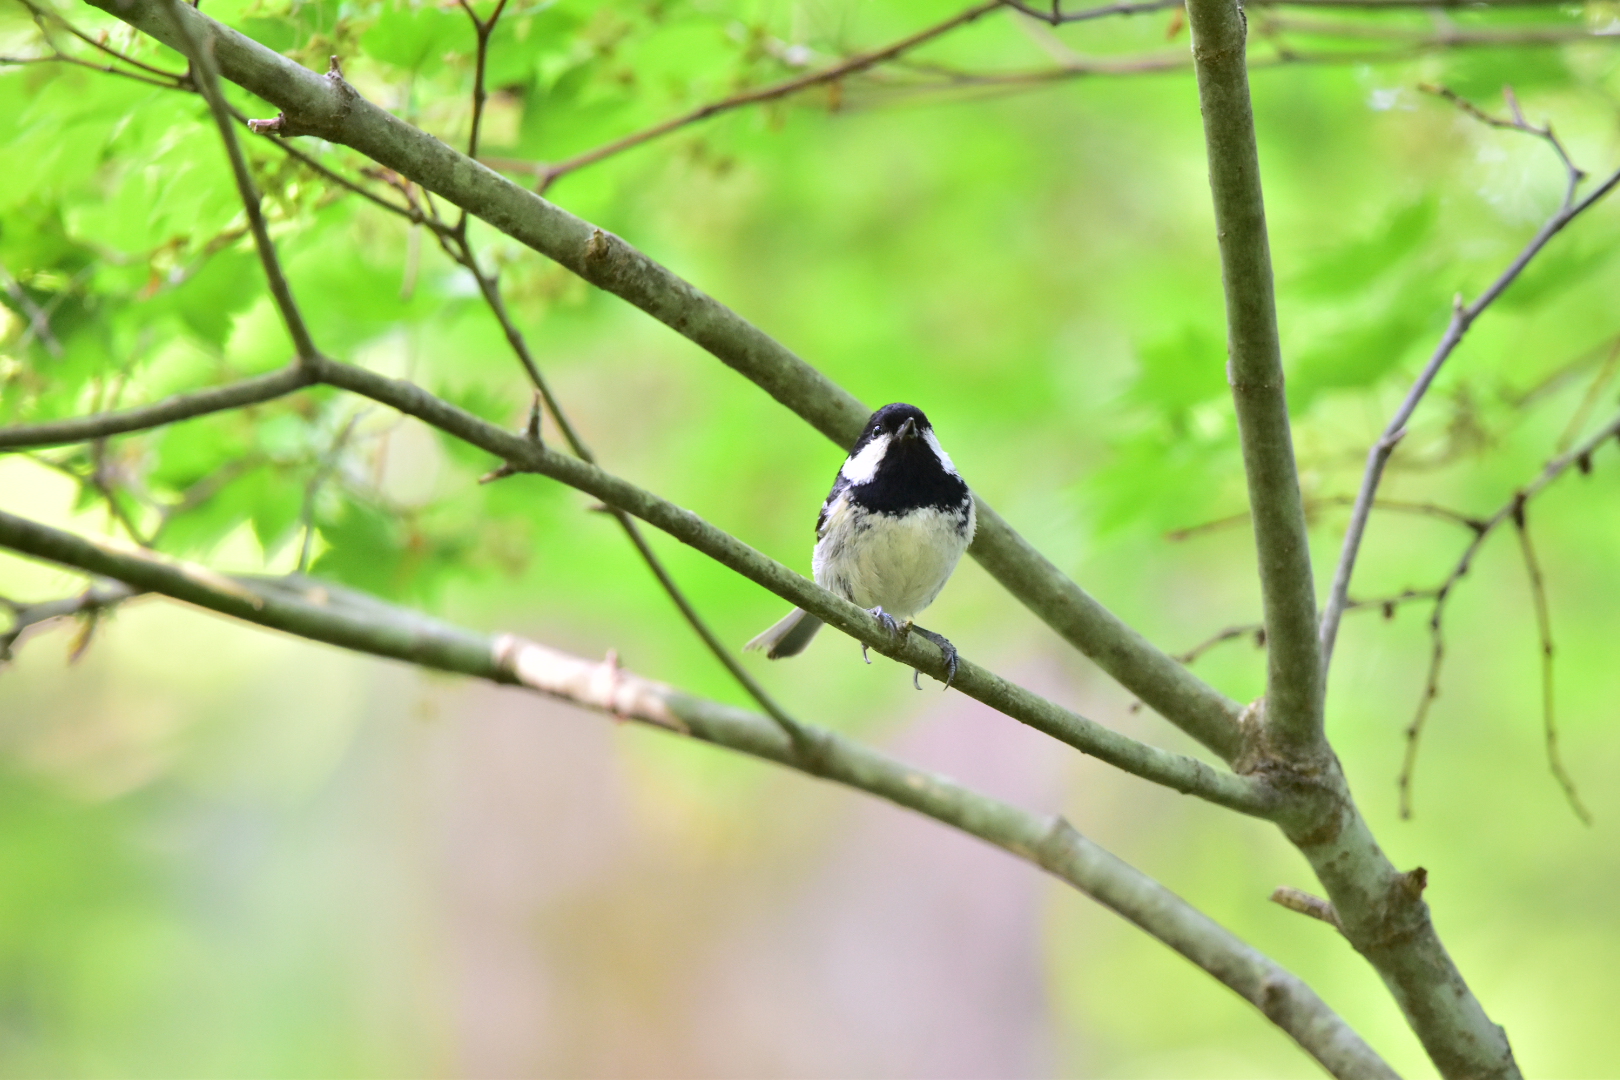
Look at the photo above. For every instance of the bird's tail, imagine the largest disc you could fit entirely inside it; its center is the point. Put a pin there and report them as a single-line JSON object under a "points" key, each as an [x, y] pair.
{"points": [[788, 637]]}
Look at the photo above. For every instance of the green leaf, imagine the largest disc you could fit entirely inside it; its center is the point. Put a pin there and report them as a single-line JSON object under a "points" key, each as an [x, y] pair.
{"points": [[1480, 74], [417, 39], [1554, 272], [1368, 349], [275, 498], [1176, 373], [1358, 264], [277, 34], [210, 300]]}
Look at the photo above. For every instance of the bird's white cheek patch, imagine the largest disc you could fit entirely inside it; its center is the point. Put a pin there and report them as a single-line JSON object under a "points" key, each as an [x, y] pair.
{"points": [[939, 451], [863, 466]]}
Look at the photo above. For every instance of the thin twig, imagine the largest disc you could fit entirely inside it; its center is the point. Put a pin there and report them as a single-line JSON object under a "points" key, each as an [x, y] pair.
{"points": [[456, 245], [1231, 633], [1538, 596], [1589, 401], [1303, 902], [1579, 457], [106, 486], [1057, 17], [1462, 317], [42, 13], [200, 53], [167, 411], [39, 324], [1426, 509], [1442, 35], [28, 616], [323, 469], [105, 69], [547, 174]]}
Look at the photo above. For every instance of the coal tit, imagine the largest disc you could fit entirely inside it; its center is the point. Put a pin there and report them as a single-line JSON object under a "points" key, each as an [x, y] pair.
{"points": [[891, 531]]}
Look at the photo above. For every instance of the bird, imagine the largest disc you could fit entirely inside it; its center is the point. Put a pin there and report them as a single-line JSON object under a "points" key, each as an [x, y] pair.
{"points": [[891, 531]]}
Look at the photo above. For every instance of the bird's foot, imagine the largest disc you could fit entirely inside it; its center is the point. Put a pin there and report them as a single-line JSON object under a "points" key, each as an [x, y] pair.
{"points": [[889, 623], [946, 648]]}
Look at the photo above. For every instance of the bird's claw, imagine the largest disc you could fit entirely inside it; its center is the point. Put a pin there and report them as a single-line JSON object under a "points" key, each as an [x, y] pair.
{"points": [[946, 649], [889, 622]]}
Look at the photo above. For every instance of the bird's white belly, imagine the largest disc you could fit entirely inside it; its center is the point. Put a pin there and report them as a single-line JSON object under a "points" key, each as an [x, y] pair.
{"points": [[897, 563]]}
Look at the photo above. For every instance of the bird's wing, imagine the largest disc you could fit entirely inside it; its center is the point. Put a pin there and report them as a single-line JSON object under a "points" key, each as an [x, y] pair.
{"points": [[827, 507]]}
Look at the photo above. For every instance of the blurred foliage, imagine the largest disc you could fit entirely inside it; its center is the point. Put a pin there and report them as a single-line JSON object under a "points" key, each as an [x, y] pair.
{"points": [[1032, 262]]}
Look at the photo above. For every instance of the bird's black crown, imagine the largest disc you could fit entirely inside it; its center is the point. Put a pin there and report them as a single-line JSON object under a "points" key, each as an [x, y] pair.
{"points": [[889, 419]]}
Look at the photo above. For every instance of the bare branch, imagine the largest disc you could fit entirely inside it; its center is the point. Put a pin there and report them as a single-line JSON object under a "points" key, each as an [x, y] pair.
{"points": [[169, 410], [1232, 633], [546, 175], [41, 14], [199, 50], [483, 28], [39, 324], [1425, 509], [1303, 902], [322, 611], [456, 245], [1462, 318], [1538, 595], [1294, 677], [1057, 17], [1579, 457], [1177, 771], [28, 617]]}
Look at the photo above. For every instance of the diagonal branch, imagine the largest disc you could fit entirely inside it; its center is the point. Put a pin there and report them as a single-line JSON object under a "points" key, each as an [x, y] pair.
{"points": [[1182, 773], [199, 49], [521, 453], [321, 611], [457, 246], [1462, 318], [169, 410], [26, 617], [546, 175], [329, 107]]}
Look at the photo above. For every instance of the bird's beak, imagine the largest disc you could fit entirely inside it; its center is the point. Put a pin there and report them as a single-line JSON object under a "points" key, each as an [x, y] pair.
{"points": [[908, 430]]}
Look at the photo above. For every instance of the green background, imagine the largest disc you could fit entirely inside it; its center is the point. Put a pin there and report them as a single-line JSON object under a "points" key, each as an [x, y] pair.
{"points": [[225, 852]]}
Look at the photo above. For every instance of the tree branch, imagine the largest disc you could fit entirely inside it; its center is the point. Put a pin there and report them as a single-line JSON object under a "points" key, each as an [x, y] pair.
{"points": [[1382, 912], [179, 407], [1182, 773], [25, 617], [457, 246], [1293, 711], [1549, 726], [546, 175], [198, 48], [1513, 510], [321, 611], [328, 106], [1462, 318]]}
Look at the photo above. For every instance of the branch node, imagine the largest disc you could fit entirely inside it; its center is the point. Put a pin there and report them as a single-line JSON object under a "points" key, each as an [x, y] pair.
{"points": [[1414, 881], [1305, 904]]}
